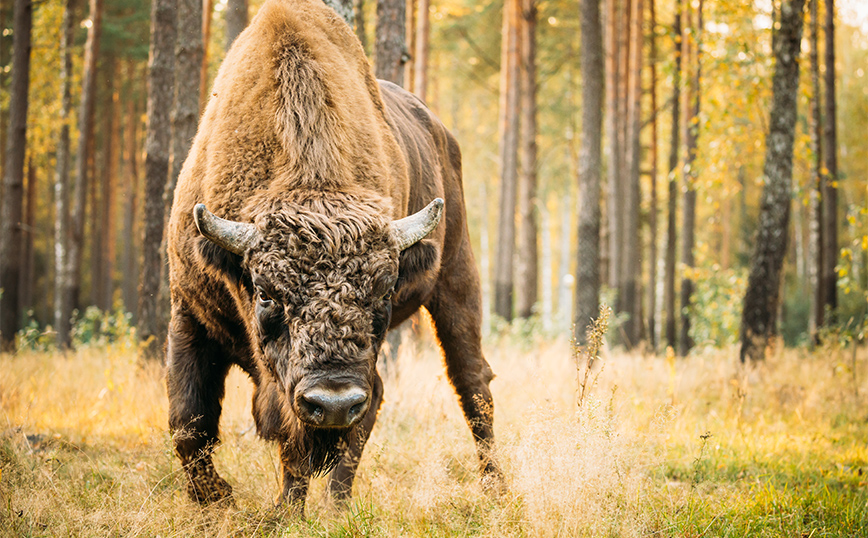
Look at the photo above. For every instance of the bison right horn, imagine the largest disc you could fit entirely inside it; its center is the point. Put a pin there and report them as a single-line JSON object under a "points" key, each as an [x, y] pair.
{"points": [[409, 230], [236, 237]]}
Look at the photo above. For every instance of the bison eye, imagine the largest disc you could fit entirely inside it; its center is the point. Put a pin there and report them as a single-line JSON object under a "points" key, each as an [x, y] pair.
{"points": [[263, 297]]}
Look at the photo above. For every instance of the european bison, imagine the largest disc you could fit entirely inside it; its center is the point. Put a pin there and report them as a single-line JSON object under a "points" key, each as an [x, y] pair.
{"points": [[329, 189]]}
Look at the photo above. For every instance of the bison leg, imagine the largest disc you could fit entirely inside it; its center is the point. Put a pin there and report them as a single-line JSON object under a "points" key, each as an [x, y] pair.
{"points": [[196, 371], [294, 491], [456, 311], [341, 479]]}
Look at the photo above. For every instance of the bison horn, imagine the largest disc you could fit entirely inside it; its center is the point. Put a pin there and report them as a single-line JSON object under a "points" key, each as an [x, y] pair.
{"points": [[236, 237], [409, 230]]}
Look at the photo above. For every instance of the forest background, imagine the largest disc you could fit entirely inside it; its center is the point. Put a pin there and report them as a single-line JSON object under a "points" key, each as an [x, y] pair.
{"points": [[465, 73]]}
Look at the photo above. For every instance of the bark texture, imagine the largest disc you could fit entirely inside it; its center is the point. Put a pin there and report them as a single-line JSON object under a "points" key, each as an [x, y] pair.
{"points": [[587, 294], [691, 138], [131, 205], [631, 275], [359, 17], [160, 92], [527, 263], [669, 304], [83, 156], [344, 8], [207, 13], [11, 212], [391, 49], [762, 296], [236, 20], [816, 315], [62, 277], [614, 201], [653, 198], [508, 125], [830, 179], [423, 42]]}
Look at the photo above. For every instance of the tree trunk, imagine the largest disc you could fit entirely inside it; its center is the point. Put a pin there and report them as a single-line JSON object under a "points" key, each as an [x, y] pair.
{"points": [[359, 17], [207, 14], [423, 43], [160, 91], [344, 8], [527, 271], [95, 230], [509, 120], [391, 49], [130, 250], [13, 176], [764, 280], [816, 314], [632, 270], [83, 156], [5, 46], [185, 112], [236, 20], [485, 259], [613, 146], [546, 258], [63, 278], [691, 136], [624, 28], [28, 256], [110, 179], [587, 294], [185, 118], [410, 40], [830, 178], [652, 213], [672, 207]]}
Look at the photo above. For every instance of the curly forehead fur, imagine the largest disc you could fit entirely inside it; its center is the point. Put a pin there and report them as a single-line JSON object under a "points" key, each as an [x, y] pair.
{"points": [[325, 259]]}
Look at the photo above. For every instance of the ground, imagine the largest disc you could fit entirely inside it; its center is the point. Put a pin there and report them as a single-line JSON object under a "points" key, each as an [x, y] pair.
{"points": [[660, 447]]}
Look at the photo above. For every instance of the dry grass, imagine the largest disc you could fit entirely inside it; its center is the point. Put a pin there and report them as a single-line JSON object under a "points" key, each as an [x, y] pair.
{"points": [[84, 451]]}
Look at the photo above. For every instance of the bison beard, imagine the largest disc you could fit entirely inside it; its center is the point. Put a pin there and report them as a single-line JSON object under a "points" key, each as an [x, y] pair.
{"points": [[315, 452]]}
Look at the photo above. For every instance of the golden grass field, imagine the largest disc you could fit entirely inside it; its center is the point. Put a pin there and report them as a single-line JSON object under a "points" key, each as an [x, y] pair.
{"points": [[660, 447]]}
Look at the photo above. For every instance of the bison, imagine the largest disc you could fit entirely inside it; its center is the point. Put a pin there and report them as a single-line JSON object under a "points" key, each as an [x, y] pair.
{"points": [[317, 209]]}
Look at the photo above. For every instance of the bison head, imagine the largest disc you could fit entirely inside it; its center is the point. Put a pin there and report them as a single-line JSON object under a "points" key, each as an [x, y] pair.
{"points": [[319, 277]]}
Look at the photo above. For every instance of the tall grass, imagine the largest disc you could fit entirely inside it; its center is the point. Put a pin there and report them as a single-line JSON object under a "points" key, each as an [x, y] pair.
{"points": [[663, 448]]}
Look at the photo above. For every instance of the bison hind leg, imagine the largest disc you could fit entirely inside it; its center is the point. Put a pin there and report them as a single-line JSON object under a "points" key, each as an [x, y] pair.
{"points": [[456, 311]]}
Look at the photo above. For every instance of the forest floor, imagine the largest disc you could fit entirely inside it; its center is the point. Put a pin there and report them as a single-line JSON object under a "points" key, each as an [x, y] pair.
{"points": [[695, 447]]}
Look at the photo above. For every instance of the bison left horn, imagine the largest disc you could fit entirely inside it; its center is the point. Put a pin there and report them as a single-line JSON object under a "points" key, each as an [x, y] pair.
{"points": [[409, 230], [236, 237]]}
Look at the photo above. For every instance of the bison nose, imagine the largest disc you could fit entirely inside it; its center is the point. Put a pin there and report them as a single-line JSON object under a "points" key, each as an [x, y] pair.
{"points": [[327, 408]]}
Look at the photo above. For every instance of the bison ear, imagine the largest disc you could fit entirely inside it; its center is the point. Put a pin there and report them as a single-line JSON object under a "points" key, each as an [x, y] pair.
{"points": [[415, 261], [218, 259]]}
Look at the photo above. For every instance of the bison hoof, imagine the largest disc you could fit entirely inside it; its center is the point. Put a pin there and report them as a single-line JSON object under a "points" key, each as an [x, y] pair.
{"points": [[493, 482], [205, 486]]}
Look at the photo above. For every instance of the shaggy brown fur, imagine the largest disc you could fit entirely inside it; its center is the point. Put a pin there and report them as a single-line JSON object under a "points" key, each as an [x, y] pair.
{"points": [[299, 139]]}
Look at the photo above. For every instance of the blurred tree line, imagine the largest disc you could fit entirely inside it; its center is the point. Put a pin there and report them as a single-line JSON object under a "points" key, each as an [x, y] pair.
{"points": [[632, 152]]}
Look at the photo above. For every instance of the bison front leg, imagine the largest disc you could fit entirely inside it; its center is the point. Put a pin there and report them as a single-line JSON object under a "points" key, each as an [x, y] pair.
{"points": [[341, 478], [195, 376], [295, 484], [457, 314]]}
